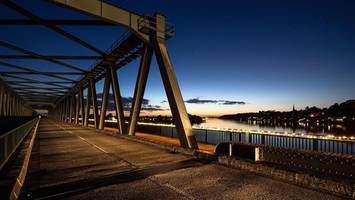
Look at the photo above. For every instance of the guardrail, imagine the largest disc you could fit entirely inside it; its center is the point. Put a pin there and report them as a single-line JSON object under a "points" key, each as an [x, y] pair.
{"points": [[12, 139], [321, 143]]}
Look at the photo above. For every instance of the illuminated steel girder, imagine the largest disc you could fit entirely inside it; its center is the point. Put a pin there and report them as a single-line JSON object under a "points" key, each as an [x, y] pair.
{"points": [[118, 101], [139, 89], [81, 104], [107, 12], [106, 91], [92, 89]]}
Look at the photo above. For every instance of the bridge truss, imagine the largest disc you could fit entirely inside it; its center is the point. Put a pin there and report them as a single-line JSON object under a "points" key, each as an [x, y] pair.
{"points": [[64, 96]]}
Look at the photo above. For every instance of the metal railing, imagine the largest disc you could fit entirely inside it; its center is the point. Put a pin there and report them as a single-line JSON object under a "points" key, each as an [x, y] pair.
{"points": [[148, 23], [321, 143], [12, 139]]}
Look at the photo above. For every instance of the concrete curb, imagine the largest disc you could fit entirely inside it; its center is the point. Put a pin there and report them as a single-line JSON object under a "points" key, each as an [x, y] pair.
{"points": [[334, 187], [16, 189], [162, 145]]}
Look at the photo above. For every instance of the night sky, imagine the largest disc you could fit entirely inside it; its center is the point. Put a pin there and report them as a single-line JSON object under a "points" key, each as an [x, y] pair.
{"points": [[229, 56]]}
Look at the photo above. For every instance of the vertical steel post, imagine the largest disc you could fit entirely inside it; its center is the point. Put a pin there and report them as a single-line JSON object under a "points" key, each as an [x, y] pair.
{"points": [[106, 91], [118, 102], [94, 102], [139, 89], [76, 110], [4, 106], [67, 103], [60, 117], [2, 89], [15, 106], [71, 108], [87, 107], [63, 110], [60, 111], [8, 106], [81, 102]]}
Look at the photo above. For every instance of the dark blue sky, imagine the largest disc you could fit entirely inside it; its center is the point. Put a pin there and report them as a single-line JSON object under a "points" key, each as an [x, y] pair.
{"points": [[270, 54]]}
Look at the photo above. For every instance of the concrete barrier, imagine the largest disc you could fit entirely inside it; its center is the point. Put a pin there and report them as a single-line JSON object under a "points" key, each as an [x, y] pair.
{"points": [[239, 150]]}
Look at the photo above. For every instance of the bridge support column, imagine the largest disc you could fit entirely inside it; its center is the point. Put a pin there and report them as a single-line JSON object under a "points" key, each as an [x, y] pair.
{"points": [[1, 100], [71, 107], [106, 91], [81, 102], [176, 102], [67, 105], [76, 109], [94, 102], [140, 87], [60, 111], [118, 102], [4, 106], [87, 107], [8, 106], [15, 106]]}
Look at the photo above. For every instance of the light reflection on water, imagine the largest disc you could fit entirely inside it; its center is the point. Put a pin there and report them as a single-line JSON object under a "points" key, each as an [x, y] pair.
{"points": [[314, 130]]}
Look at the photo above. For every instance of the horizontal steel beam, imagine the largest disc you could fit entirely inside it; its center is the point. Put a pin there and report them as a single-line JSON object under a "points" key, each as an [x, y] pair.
{"points": [[39, 96], [44, 90], [31, 53], [27, 69], [45, 73], [42, 93], [31, 80], [27, 13], [52, 57], [56, 22], [35, 103], [34, 87], [42, 82]]}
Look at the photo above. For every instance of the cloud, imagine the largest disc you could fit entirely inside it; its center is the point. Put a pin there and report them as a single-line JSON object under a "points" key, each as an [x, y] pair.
{"points": [[153, 108], [127, 104], [221, 102], [200, 101], [226, 102]]}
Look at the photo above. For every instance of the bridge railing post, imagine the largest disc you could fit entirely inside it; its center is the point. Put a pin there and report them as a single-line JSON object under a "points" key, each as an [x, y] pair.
{"points": [[315, 144]]}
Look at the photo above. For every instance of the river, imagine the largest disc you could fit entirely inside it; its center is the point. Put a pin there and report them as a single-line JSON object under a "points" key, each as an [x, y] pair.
{"points": [[300, 128]]}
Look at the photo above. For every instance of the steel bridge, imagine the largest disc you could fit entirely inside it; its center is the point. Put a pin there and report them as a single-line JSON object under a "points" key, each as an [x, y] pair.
{"points": [[63, 96], [70, 155]]}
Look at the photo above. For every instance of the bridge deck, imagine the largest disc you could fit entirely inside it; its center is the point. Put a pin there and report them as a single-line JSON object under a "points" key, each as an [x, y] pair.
{"points": [[79, 163]]}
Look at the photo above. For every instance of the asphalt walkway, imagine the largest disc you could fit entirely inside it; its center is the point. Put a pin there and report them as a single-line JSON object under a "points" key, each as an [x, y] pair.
{"points": [[76, 163]]}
